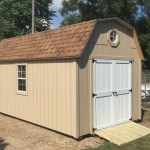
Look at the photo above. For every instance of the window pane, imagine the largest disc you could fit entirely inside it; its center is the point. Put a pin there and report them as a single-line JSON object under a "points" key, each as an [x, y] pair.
{"points": [[19, 74], [24, 82], [23, 74], [112, 39], [23, 88], [23, 68], [19, 68], [22, 78], [20, 87], [111, 34], [20, 81]]}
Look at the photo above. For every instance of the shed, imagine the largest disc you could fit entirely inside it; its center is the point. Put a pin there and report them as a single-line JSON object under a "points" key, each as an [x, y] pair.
{"points": [[73, 79]]}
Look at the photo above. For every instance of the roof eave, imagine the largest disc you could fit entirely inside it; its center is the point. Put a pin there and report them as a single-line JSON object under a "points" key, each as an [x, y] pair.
{"points": [[36, 59]]}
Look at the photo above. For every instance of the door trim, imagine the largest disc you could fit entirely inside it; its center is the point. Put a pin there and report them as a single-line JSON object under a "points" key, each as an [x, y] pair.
{"points": [[103, 58]]}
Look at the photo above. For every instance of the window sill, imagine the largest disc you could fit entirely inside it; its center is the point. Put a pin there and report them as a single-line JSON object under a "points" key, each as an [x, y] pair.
{"points": [[22, 93]]}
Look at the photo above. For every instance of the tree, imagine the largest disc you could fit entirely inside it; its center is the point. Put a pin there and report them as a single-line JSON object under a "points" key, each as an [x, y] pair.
{"points": [[69, 12], [145, 7], [84, 10], [16, 17], [143, 29]]}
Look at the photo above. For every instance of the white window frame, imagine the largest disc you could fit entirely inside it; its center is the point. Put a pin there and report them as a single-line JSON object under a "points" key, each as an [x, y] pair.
{"points": [[21, 92], [117, 38], [113, 35]]}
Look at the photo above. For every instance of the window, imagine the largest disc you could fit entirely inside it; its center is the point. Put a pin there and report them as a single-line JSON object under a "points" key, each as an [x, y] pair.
{"points": [[21, 78], [113, 37]]}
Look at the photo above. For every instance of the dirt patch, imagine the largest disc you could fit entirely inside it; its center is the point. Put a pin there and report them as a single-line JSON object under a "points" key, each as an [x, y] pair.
{"points": [[19, 135], [146, 116]]}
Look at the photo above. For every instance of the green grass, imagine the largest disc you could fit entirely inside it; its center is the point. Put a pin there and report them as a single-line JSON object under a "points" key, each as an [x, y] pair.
{"points": [[147, 105], [147, 113], [139, 144]]}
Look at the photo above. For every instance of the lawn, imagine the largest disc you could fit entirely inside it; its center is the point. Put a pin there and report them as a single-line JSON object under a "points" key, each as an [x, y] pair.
{"points": [[139, 144]]}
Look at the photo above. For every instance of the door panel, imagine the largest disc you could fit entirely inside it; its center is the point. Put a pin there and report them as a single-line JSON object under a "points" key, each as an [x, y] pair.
{"points": [[104, 78], [122, 88], [104, 112], [103, 104], [122, 108], [122, 74], [112, 96]]}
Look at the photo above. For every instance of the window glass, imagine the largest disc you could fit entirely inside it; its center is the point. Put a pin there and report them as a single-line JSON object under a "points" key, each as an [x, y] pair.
{"points": [[113, 36], [19, 68], [22, 78]]}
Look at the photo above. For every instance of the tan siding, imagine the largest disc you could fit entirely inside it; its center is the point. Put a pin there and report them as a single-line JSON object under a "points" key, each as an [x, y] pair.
{"points": [[136, 103], [63, 87], [98, 46], [51, 97], [74, 104], [67, 91], [139, 51]]}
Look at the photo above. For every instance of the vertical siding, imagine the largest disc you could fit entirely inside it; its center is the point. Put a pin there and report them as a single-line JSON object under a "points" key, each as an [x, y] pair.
{"points": [[98, 45], [51, 98], [136, 84]]}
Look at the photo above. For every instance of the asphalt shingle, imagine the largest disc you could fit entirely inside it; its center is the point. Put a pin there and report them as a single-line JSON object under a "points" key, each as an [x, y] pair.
{"points": [[67, 41]]}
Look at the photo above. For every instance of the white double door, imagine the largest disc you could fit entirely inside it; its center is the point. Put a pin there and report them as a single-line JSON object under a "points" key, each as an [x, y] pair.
{"points": [[112, 92]]}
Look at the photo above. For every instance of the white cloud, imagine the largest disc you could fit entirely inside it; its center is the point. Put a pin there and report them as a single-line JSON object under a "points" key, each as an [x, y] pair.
{"points": [[56, 4], [58, 18]]}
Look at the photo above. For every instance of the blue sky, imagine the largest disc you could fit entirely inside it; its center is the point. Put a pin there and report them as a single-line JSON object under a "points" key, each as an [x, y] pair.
{"points": [[56, 20]]}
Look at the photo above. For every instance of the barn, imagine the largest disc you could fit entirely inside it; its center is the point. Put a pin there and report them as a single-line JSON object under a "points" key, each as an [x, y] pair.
{"points": [[74, 79]]}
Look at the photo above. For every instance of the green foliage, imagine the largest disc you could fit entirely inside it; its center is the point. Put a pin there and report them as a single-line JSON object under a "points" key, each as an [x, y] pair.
{"points": [[84, 10], [16, 16], [145, 7], [144, 39], [69, 12], [71, 19], [143, 29]]}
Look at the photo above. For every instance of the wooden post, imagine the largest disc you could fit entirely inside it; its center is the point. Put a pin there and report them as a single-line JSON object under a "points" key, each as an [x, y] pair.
{"points": [[33, 14]]}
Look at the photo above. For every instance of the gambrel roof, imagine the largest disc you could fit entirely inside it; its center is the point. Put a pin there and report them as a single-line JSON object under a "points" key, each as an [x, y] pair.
{"points": [[64, 42], [67, 41]]}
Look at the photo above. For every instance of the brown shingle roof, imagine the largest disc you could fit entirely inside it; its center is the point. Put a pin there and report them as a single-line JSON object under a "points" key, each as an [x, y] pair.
{"points": [[67, 41]]}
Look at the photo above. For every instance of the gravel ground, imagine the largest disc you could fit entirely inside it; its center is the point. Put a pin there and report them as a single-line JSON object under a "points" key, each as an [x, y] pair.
{"points": [[19, 135], [146, 117]]}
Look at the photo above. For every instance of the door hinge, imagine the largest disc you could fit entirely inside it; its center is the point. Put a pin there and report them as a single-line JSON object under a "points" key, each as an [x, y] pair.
{"points": [[94, 95], [131, 61], [94, 60], [130, 90], [94, 129]]}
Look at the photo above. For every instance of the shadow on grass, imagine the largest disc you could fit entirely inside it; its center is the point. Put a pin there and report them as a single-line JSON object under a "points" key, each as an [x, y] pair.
{"points": [[142, 116], [3, 144]]}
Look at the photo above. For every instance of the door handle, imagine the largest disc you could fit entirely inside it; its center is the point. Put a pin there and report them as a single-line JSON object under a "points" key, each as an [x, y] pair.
{"points": [[114, 93]]}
